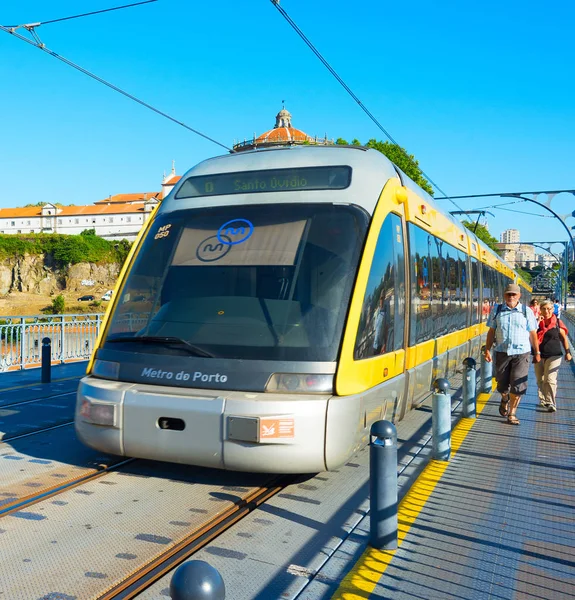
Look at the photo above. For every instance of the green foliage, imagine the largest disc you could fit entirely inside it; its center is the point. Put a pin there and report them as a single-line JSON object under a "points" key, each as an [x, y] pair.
{"points": [[341, 142], [356, 142], [65, 249], [483, 234], [524, 274], [58, 305], [406, 162]]}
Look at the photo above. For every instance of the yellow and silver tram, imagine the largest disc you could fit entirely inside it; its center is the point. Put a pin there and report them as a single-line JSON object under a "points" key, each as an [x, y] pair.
{"points": [[278, 303]]}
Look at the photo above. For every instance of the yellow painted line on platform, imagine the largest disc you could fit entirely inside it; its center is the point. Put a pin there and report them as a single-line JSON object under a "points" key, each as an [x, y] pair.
{"points": [[363, 578]]}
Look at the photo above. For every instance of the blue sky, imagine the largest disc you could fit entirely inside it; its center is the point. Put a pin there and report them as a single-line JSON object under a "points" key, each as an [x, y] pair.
{"points": [[481, 93]]}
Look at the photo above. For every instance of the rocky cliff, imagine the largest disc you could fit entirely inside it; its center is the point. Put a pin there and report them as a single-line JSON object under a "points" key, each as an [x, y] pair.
{"points": [[39, 274]]}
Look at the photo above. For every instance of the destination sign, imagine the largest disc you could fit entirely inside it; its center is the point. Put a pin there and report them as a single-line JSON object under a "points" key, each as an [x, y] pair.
{"points": [[271, 180]]}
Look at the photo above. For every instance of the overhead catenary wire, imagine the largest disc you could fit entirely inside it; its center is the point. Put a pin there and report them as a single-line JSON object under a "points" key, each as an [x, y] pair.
{"points": [[38, 44], [350, 91], [88, 14]]}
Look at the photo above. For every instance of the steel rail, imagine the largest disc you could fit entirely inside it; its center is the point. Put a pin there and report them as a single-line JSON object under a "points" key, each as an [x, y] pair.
{"points": [[37, 399], [26, 501], [23, 435], [149, 573]]}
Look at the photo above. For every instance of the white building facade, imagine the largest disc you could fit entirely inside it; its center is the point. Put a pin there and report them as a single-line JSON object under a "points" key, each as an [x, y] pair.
{"points": [[117, 217]]}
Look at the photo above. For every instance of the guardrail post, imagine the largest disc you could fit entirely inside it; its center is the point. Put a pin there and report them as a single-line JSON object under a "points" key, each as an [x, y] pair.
{"points": [[441, 420], [469, 385], [383, 486], [46, 360], [22, 342], [197, 580], [486, 372]]}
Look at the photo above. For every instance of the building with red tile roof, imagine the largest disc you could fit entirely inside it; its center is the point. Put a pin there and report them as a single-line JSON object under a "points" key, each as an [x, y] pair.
{"points": [[120, 216]]}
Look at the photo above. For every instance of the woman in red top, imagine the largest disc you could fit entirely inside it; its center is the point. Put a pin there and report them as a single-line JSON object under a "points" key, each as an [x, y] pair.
{"points": [[552, 335]]}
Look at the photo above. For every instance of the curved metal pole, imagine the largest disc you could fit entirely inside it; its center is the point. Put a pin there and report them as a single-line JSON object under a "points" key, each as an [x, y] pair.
{"points": [[546, 208]]}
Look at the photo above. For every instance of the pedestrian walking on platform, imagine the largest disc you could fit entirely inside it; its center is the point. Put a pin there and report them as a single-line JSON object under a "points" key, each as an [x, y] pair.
{"points": [[552, 337], [513, 328], [534, 306]]}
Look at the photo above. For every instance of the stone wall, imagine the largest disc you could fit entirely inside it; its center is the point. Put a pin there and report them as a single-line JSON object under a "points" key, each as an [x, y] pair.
{"points": [[38, 274]]}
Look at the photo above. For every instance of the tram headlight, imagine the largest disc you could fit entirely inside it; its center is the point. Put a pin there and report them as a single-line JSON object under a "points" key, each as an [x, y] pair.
{"points": [[300, 383], [106, 369], [98, 413]]}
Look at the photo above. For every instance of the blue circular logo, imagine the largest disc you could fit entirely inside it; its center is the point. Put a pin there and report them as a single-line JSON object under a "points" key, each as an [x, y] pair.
{"points": [[236, 231], [212, 248]]}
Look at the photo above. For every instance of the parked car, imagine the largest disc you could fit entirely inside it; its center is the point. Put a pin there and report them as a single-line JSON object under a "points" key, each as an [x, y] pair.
{"points": [[86, 298], [108, 295]]}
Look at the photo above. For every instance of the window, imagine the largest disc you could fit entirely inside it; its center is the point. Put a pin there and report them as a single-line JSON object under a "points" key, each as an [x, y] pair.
{"points": [[381, 324], [279, 294], [59, 221], [128, 219], [475, 292], [110, 219], [421, 244], [93, 221], [13, 223]]}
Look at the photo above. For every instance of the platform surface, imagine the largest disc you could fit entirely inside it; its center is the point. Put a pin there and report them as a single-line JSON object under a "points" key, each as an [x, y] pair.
{"points": [[497, 521]]}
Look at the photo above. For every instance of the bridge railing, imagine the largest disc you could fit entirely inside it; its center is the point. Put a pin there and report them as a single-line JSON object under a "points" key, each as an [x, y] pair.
{"points": [[72, 338]]}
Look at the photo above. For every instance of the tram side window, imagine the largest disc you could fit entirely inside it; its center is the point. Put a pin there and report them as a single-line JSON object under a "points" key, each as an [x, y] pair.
{"points": [[488, 291], [451, 300], [463, 316], [380, 325], [438, 310], [475, 313], [421, 320]]}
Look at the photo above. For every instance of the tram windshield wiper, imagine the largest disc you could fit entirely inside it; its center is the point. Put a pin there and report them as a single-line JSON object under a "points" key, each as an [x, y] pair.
{"points": [[160, 339]]}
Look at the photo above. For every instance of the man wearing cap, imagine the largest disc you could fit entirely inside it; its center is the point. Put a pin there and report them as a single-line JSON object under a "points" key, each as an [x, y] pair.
{"points": [[514, 331]]}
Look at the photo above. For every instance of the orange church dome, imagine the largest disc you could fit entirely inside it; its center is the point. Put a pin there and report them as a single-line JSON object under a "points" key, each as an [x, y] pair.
{"points": [[282, 134]]}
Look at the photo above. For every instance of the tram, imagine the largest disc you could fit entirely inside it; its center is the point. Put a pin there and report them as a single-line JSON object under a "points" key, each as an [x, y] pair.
{"points": [[277, 303]]}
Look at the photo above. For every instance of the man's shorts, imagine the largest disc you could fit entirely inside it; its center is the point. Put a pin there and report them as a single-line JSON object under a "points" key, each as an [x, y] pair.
{"points": [[511, 372]]}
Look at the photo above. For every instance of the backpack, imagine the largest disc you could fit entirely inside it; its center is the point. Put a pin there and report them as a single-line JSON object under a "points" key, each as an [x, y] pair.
{"points": [[500, 308]]}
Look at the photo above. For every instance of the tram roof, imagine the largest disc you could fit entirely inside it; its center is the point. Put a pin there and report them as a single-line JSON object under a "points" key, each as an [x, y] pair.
{"points": [[370, 172]]}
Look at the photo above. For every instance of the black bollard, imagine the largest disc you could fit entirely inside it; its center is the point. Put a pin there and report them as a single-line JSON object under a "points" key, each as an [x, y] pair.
{"points": [[383, 486], [46, 360], [469, 386], [197, 580]]}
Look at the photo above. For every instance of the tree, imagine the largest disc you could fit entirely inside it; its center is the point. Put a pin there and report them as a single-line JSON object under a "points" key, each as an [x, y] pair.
{"points": [[525, 275], [406, 162], [483, 234], [397, 155], [59, 305]]}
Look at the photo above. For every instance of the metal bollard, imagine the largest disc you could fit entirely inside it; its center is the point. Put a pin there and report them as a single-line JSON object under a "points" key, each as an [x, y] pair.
{"points": [[469, 385], [441, 420], [46, 360], [383, 486], [486, 372], [197, 580]]}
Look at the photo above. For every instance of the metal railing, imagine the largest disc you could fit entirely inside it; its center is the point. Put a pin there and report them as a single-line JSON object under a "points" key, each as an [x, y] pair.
{"points": [[72, 338]]}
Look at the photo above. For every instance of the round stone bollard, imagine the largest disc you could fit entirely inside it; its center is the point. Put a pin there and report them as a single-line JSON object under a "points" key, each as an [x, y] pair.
{"points": [[441, 420], [486, 372], [469, 387], [197, 580]]}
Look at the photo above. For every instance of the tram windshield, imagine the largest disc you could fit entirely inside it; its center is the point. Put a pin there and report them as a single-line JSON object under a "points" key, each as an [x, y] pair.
{"points": [[267, 282]]}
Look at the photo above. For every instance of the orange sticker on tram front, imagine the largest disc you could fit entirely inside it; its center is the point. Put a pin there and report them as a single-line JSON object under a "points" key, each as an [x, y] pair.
{"points": [[276, 428]]}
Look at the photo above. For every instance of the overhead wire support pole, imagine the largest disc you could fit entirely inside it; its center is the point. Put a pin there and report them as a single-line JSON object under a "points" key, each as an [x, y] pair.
{"points": [[38, 44], [551, 193], [326, 64]]}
